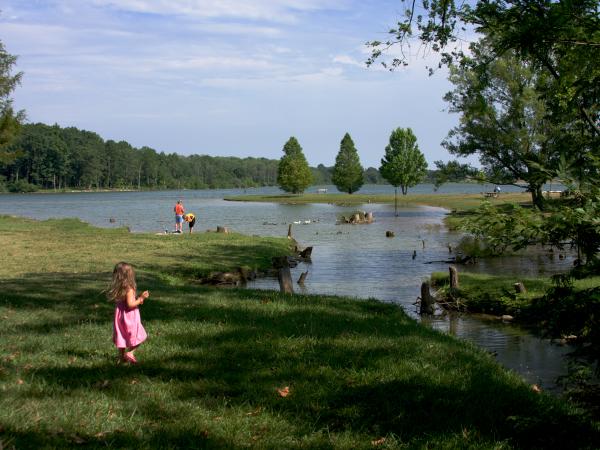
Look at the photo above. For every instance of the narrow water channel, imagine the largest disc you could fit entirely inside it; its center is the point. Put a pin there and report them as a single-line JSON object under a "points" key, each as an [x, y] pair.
{"points": [[351, 260]]}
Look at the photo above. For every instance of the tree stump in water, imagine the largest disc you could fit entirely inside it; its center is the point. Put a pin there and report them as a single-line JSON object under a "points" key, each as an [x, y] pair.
{"points": [[285, 280], [453, 277], [520, 288], [282, 264], [369, 217], [221, 229], [389, 234], [306, 253], [427, 300], [303, 276], [290, 231]]}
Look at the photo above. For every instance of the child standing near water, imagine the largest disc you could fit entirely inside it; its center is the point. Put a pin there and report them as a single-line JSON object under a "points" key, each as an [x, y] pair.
{"points": [[128, 332]]}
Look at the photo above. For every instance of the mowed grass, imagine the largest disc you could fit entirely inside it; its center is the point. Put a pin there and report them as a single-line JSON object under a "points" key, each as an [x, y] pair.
{"points": [[69, 245], [462, 202], [359, 373]]}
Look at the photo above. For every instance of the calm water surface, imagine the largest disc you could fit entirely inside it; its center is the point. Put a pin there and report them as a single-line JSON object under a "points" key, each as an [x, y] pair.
{"points": [[351, 260]]}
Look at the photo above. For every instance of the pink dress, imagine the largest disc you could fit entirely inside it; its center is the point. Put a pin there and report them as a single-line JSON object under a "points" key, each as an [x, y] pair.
{"points": [[127, 328]]}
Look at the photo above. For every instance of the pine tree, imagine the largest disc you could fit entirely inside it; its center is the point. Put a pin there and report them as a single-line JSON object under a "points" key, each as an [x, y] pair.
{"points": [[293, 174], [347, 172]]}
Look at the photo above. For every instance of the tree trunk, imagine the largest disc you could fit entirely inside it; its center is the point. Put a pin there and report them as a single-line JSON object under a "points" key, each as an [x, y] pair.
{"points": [[427, 300], [303, 276], [537, 198], [285, 280], [453, 277], [396, 201], [520, 288]]}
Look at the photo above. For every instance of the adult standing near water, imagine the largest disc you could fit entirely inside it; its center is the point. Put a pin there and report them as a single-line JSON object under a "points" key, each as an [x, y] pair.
{"points": [[179, 212]]}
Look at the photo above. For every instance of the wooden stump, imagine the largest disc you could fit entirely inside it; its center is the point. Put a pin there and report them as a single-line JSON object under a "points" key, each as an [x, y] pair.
{"points": [[221, 229], [453, 277], [303, 276], [290, 232], [389, 234], [306, 253], [520, 288], [285, 280], [427, 300], [369, 217]]}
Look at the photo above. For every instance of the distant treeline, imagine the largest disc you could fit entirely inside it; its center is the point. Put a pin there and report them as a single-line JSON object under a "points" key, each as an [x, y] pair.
{"points": [[52, 157]]}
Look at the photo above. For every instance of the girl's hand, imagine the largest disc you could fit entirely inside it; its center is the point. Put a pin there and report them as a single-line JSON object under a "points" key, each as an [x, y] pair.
{"points": [[145, 295]]}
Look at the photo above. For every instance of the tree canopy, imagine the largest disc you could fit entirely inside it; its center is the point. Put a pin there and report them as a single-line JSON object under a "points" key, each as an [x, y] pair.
{"points": [[503, 119], [347, 172], [559, 38], [56, 157], [293, 174], [10, 120], [403, 165]]}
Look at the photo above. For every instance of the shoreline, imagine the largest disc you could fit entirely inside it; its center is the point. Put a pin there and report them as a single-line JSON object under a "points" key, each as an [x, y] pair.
{"points": [[279, 367]]}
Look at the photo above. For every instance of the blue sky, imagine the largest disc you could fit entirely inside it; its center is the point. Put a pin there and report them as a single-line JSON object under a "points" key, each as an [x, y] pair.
{"points": [[223, 77]]}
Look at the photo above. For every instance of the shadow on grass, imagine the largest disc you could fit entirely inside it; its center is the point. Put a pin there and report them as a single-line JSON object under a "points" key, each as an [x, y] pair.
{"points": [[359, 367]]}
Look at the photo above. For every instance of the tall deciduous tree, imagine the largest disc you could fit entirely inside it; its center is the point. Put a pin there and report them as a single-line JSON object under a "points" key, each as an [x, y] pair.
{"points": [[10, 120], [503, 119], [560, 38], [347, 171], [293, 174], [403, 164]]}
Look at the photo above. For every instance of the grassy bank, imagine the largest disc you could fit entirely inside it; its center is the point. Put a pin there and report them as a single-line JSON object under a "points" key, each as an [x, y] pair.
{"points": [[359, 374], [448, 201], [496, 294]]}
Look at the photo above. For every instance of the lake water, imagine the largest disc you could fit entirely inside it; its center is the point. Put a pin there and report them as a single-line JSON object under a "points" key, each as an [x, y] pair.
{"points": [[350, 260]]}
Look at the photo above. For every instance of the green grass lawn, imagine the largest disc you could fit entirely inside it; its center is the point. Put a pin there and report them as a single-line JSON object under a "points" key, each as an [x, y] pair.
{"points": [[360, 374]]}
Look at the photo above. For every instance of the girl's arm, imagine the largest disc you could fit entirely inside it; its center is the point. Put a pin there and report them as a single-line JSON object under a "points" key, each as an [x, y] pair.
{"points": [[133, 302]]}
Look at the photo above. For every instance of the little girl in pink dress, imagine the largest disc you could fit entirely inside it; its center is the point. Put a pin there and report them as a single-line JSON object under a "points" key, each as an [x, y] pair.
{"points": [[128, 332]]}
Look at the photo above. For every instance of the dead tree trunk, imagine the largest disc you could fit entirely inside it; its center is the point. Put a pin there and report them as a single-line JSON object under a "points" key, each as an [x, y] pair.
{"points": [[453, 277], [303, 276], [427, 300], [282, 264], [290, 232], [520, 288], [285, 280], [306, 253]]}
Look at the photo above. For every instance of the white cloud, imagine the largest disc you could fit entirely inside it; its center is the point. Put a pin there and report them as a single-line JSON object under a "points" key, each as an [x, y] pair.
{"points": [[271, 10], [348, 60]]}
